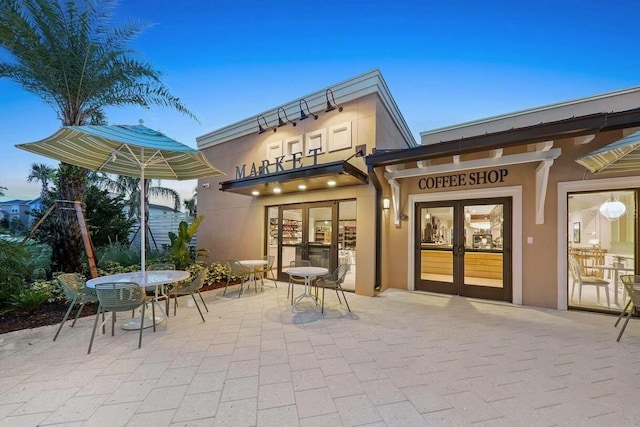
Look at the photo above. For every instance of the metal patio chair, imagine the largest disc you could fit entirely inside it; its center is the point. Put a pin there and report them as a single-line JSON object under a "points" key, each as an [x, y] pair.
{"points": [[264, 272], [75, 291], [632, 285], [237, 270], [334, 281], [300, 280], [118, 297], [190, 287]]}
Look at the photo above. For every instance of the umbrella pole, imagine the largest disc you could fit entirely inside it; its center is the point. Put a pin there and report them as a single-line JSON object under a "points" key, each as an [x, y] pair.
{"points": [[143, 229]]}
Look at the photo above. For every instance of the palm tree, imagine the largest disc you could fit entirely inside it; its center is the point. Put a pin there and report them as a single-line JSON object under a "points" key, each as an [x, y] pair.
{"points": [[129, 188], [191, 206], [2, 190], [71, 55], [43, 173]]}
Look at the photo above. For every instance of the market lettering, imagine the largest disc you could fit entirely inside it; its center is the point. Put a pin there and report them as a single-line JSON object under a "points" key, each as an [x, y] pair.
{"points": [[463, 179], [266, 167]]}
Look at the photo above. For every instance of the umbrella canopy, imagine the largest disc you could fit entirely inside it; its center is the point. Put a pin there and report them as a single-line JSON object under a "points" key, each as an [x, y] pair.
{"points": [[620, 156], [135, 151]]}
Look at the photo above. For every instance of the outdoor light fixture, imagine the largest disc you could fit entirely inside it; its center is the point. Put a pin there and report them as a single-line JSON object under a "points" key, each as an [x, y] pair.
{"points": [[386, 203], [277, 190], [255, 193], [282, 122], [266, 125], [612, 209], [302, 187], [304, 115], [331, 183], [330, 106]]}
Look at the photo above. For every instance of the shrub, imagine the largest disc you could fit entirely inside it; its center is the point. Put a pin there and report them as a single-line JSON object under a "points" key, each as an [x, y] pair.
{"points": [[117, 253], [52, 288], [28, 299]]}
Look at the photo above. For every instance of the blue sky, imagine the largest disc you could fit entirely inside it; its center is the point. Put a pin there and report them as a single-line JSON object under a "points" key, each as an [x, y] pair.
{"points": [[444, 62]]}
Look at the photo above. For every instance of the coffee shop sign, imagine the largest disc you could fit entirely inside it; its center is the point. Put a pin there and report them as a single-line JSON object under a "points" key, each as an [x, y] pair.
{"points": [[462, 179], [266, 167]]}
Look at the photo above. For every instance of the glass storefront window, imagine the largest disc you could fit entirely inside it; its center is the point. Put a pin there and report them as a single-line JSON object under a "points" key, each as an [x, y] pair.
{"points": [[601, 237]]}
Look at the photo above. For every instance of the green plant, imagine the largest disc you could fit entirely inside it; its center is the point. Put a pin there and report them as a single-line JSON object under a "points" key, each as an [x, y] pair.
{"points": [[28, 299], [180, 253], [51, 288], [117, 253]]}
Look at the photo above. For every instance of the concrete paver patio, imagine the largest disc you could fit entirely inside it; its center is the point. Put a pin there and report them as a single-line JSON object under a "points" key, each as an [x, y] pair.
{"points": [[399, 359]]}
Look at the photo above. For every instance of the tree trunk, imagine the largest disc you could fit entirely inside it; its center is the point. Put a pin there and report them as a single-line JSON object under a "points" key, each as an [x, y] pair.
{"points": [[68, 249]]}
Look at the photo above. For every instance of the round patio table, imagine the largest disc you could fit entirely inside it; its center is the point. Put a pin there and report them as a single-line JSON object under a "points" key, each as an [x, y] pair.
{"points": [[149, 280], [253, 264], [308, 273]]}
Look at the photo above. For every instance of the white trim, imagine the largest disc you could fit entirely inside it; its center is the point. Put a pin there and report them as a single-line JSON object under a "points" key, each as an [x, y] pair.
{"points": [[488, 162], [564, 188], [515, 192]]}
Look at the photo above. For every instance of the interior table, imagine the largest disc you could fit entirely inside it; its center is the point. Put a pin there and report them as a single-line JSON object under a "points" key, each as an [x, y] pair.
{"points": [[616, 275], [308, 273], [253, 264], [148, 280]]}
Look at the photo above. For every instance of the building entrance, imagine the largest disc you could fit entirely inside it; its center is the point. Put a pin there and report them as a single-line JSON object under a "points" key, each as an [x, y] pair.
{"points": [[463, 247], [322, 232]]}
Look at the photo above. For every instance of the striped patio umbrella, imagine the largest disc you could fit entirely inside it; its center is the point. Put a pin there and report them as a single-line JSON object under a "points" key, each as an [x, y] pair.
{"points": [[620, 156], [134, 150]]}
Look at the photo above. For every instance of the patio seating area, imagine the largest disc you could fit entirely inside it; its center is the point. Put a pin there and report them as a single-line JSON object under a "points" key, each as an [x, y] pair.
{"points": [[399, 359]]}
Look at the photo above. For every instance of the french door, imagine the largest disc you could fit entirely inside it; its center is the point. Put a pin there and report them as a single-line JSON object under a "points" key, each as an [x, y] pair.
{"points": [[309, 232], [463, 247]]}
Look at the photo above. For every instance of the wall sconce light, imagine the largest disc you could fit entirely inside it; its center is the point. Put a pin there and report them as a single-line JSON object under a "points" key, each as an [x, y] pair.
{"points": [[386, 203], [304, 115], [282, 122], [266, 125], [612, 209], [330, 106]]}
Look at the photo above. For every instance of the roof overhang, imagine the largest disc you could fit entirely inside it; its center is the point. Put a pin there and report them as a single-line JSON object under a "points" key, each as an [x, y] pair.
{"points": [[566, 128], [316, 177]]}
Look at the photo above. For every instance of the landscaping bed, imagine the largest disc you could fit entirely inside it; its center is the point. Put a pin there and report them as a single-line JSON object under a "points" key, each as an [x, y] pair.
{"points": [[52, 313]]}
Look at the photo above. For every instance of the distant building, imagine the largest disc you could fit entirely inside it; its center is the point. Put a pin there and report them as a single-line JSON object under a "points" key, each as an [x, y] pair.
{"points": [[162, 220], [20, 209]]}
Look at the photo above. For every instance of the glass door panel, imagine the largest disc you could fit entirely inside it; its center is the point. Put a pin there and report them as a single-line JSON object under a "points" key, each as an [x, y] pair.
{"points": [[436, 234], [321, 235], [483, 260], [292, 244]]}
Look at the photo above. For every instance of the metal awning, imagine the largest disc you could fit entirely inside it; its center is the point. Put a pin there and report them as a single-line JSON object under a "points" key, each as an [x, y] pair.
{"points": [[620, 156], [316, 177]]}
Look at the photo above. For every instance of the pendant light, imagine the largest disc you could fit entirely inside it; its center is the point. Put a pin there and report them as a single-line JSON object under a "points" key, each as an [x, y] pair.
{"points": [[612, 209]]}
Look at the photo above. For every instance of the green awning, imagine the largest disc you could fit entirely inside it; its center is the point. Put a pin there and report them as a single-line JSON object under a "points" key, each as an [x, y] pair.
{"points": [[620, 156]]}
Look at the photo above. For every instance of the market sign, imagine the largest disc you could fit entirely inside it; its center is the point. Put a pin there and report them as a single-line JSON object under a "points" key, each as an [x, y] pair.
{"points": [[267, 167], [493, 176]]}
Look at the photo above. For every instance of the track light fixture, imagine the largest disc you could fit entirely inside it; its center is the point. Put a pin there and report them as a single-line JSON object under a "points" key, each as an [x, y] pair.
{"points": [[304, 115], [330, 106], [266, 127], [282, 122]]}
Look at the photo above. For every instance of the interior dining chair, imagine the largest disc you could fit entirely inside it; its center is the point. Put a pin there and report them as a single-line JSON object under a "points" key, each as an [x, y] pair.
{"points": [[117, 297], [300, 280], [578, 279], [266, 269], [334, 281], [75, 291], [187, 287], [632, 285], [237, 271]]}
